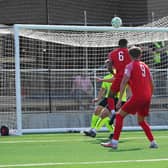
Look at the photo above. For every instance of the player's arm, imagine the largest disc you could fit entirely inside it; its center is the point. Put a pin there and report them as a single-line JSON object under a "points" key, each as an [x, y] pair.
{"points": [[110, 80], [100, 95], [128, 92], [124, 97], [123, 85]]}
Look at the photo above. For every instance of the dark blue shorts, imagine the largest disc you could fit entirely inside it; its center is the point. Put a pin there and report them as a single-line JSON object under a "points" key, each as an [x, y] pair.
{"points": [[103, 102]]}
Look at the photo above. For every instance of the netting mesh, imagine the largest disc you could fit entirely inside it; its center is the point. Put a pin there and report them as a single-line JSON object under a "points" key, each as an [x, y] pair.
{"points": [[7, 80], [162, 22], [100, 39], [50, 61]]}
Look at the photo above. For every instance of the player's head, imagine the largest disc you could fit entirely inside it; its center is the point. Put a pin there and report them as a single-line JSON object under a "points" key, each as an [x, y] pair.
{"points": [[135, 52], [109, 66], [122, 43]]}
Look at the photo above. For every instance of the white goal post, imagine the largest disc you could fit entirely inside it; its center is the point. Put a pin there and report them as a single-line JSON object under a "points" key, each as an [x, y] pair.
{"points": [[48, 57]]}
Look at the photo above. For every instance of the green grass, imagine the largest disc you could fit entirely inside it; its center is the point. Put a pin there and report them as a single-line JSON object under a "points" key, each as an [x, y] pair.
{"points": [[77, 151]]}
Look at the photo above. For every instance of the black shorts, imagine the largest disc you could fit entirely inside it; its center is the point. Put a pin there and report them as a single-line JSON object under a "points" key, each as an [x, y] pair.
{"points": [[103, 102], [116, 100]]}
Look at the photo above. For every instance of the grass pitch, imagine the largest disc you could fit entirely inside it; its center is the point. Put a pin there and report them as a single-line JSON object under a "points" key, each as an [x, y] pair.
{"points": [[77, 151]]}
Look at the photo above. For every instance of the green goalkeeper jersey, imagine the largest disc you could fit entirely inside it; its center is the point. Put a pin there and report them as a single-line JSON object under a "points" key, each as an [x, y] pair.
{"points": [[107, 86]]}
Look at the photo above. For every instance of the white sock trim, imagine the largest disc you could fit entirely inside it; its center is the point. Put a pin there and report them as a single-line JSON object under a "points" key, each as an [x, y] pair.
{"points": [[112, 112], [153, 142], [115, 142], [94, 130]]}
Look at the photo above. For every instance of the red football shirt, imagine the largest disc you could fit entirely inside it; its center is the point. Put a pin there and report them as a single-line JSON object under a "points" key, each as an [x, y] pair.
{"points": [[139, 79], [120, 58]]}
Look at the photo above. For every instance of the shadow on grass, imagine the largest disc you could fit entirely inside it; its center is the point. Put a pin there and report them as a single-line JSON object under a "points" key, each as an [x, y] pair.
{"points": [[100, 140], [125, 150]]}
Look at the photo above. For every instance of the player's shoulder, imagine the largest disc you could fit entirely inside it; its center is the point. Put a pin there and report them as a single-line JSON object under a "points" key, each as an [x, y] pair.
{"points": [[111, 52], [116, 50], [125, 49], [144, 64], [130, 65], [141, 62]]}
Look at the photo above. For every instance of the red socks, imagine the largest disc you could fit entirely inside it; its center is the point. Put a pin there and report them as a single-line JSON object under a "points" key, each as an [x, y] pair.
{"points": [[118, 126], [111, 104], [147, 130]]}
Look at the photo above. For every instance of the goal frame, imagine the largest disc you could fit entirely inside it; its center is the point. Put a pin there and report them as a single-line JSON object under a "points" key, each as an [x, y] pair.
{"points": [[18, 27]]}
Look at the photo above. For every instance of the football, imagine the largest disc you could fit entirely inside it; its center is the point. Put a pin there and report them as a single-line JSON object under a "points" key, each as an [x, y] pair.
{"points": [[116, 22]]}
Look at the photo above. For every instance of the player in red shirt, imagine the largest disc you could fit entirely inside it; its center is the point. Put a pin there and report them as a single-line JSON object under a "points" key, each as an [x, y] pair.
{"points": [[120, 58], [138, 76]]}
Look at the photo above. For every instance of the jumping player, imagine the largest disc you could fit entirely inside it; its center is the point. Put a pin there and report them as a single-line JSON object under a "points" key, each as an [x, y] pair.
{"points": [[119, 58], [138, 76]]}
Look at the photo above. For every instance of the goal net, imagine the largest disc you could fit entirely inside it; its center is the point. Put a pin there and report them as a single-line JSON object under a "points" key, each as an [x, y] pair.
{"points": [[46, 62]]}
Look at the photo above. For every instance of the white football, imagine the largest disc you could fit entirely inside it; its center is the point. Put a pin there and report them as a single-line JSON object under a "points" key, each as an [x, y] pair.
{"points": [[116, 22]]}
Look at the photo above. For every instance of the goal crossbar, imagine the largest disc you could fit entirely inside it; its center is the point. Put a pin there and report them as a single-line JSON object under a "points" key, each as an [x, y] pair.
{"points": [[90, 28]]}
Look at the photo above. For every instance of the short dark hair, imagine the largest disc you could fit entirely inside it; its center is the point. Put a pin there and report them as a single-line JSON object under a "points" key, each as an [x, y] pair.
{"points": [[135, 52], [123, 43]]}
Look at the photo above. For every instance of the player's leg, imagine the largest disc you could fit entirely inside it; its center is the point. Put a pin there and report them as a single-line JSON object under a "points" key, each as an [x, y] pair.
{"points": [[146, 128], [117, 130], [128, 95], [120, 115], [111, 101], [98, 111], [114, 114], [115, 87], [99, 124], [94, 119], [95, 116], [104, 120]]}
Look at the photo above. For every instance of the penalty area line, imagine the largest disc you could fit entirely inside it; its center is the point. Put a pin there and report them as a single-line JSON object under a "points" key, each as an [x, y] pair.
{"points": [[82, 163]]}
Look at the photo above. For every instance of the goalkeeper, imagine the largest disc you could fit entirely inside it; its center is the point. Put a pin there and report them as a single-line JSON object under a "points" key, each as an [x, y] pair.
{"points": [[101, 115]]}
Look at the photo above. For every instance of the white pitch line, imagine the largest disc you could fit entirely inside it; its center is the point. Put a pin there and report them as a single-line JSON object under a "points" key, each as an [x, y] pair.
{"points": [[67, 140], [82, 163]]}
